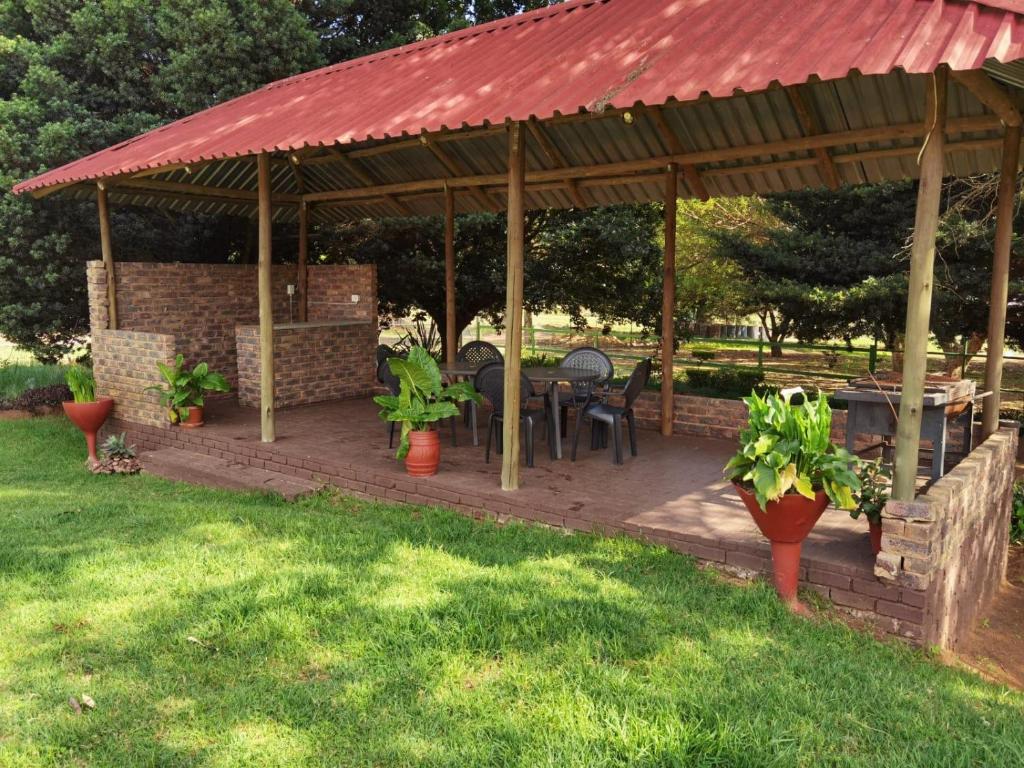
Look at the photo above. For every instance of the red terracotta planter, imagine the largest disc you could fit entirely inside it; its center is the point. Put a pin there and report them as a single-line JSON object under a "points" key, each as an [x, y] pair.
{"points": [[194, 418], [786, 524], [875, 531], [424, 453], [89, 417]]}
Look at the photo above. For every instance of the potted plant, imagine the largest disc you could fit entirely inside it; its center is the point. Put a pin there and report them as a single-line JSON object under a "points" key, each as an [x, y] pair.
{"points": [[786, 472], [875, 478], [85, 410], [184, 393], [421, 402]]}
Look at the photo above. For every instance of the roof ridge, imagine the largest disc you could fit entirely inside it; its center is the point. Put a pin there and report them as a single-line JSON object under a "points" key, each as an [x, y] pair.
{"points": [[456, 35]]}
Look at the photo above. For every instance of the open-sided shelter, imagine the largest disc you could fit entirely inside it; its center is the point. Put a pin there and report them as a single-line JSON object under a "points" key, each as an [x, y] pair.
{"points": [[593, 102]]}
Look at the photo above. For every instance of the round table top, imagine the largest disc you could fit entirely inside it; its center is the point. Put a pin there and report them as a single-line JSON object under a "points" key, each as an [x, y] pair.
{"points": [[545, 374]]}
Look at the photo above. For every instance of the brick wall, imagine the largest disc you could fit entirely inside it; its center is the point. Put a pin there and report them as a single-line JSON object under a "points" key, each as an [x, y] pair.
{"points": [[709, 416], [125, 364], [949, 545], [311, 363], [200, 304]]}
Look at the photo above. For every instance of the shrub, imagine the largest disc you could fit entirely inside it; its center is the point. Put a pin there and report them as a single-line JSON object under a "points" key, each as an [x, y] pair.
{"points": [[1017, 515], [39, 397], [703, 353], [725, 382]]}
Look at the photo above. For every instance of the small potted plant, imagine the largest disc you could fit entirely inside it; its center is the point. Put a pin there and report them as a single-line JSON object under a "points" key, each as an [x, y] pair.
{"points": [[184, 393], [875, 478], [421, 402], [85, 410], [786, 472]]}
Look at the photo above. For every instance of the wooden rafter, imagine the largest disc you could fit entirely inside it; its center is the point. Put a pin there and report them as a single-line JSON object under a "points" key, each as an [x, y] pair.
{"points": [[368, 180], [156, 185], [457, 168], [675, 146], [556, 158], [810, 125], [990, 94]]}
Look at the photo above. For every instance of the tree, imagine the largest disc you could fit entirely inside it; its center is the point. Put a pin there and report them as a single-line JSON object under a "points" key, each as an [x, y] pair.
{"points": [[79, 76], [605, 261], [811, 249]]}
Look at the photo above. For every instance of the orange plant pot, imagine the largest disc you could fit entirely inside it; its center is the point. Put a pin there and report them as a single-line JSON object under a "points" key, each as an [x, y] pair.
{"points": [[424, 454], [875, 531], [785, 523], [194, 418], [89, 417]]}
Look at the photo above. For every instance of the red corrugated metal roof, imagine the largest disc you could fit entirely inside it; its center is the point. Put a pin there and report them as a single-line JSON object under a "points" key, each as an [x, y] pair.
{"points": [[583, 54]]}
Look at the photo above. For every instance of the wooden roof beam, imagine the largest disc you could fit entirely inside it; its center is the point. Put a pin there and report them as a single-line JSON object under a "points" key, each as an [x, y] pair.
{"points": [[811, 127], [456, 168], [562, 175], [556, 158], [675, 146], [364, 177], [985, 90], [199, 190]]}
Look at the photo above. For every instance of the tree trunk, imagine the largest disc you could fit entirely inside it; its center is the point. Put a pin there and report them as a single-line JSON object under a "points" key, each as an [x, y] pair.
{"points": [[954, 350], [776, 349]]}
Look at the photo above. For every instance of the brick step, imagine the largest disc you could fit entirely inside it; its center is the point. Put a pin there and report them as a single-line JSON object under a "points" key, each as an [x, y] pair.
{"points": [[200, 469]]}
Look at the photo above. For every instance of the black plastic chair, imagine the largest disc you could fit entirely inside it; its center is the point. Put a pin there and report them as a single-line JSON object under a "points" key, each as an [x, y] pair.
{"points": [[490, 382], [605, 415], [594, 361], [394, 386], [383, 353], [478, 352]]}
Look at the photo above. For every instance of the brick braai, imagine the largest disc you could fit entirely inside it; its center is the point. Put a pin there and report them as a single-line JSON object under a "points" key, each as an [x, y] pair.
{"points": [[312, 363]]}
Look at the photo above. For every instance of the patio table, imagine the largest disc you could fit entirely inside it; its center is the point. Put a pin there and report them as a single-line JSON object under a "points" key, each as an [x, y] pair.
{"points": [[552, 377], [459, 369]]}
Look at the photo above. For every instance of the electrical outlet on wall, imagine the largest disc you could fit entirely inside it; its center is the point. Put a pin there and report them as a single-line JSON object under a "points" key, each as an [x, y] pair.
{"points": [[355, 298]]}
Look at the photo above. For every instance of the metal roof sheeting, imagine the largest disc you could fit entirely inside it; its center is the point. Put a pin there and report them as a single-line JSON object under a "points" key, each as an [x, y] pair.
{"points": [[716, 63]]}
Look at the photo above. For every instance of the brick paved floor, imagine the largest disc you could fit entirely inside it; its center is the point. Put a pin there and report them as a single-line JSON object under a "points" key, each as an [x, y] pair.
{"points": [[672, 493]]}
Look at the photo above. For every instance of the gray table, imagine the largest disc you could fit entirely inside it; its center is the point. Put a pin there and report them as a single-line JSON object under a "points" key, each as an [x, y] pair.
{"points": [[551, 378], [871, 413]]}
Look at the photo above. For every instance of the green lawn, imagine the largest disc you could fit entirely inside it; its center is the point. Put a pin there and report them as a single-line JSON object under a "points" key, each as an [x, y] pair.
{"points": [[224, 629]]}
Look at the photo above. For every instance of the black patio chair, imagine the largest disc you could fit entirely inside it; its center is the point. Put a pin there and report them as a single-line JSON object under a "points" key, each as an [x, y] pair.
{"points": [[588, 359], [603, 415], [490, 382], [478, 352], [383, 353], [394, 386]]}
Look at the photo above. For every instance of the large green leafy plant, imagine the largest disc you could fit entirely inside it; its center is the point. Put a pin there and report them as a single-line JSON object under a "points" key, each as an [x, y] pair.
{"points": [[788, 449], [422, 399], [185, 388]]}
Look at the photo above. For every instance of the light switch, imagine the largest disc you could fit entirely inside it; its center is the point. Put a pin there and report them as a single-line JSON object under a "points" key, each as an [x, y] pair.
{"points": [[355, 298]]}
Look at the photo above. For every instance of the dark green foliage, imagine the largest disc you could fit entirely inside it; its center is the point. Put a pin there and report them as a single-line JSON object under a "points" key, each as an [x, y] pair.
{"points": [[604, 260], [724, 382], [76, 77], [1017, 516]]}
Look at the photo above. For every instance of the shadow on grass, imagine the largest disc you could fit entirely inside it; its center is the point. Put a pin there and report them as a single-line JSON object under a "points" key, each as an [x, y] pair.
{"points": [[217, 628]]}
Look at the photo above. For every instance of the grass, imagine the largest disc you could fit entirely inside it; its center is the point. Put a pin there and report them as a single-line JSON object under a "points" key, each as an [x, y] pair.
{"points": [[225, 629]]}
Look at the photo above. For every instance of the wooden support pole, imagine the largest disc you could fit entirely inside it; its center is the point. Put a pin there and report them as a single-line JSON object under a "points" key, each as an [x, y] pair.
{"points": [[668, 301], [514, 305], [450, 342], [301, 274], [1000, 279], [107, 250], [266, 303], [919, 296]]}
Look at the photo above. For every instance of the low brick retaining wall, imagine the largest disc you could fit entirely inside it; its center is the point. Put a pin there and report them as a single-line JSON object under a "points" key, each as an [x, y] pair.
{"points": [[312, 363], [949, 545], [124, 363]]}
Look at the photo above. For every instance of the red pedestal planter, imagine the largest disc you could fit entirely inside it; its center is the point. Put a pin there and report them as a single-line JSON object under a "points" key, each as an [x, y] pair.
{"points": [[424, 454], [786, 524], [875, 530], [89, 417]]}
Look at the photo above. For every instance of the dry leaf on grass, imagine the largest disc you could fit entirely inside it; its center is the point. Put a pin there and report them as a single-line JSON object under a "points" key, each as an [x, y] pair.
{"points": [[75, 706]]}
